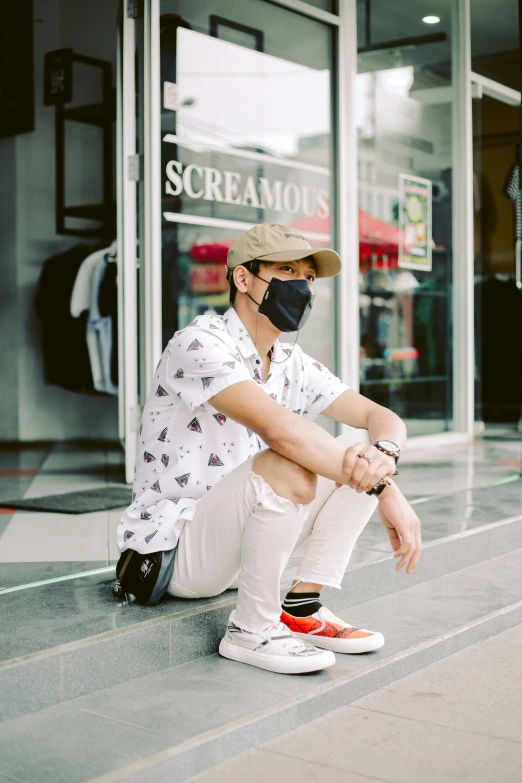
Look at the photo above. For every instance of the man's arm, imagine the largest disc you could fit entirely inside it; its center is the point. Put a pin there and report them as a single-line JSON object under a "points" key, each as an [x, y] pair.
{"points": [[309, 445], [403, 527], [396, 514], [294, 437], [305, 442], [357, 411]]}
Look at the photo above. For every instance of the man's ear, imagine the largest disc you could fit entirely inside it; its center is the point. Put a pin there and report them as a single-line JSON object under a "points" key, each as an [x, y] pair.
{"points": [[240, 278]]}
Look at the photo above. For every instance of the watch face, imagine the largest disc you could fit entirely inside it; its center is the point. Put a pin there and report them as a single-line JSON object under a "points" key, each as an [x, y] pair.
{"points": [[388, 445]]}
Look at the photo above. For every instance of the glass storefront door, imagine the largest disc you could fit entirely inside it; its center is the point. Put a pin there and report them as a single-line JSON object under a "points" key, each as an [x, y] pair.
{"points": [[246, 134], [498, 244], [495, 65], [404, 126]]}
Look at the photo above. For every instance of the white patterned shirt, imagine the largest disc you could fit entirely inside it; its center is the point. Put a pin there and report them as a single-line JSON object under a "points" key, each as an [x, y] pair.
{"points": [[185, 445]]}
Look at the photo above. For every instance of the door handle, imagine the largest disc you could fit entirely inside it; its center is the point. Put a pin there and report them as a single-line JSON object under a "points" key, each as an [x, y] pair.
{"points": [[518, 264]]}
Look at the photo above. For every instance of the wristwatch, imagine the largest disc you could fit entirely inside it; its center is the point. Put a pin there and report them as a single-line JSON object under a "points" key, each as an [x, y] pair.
{"points": [[388, 447], [380, 486]]}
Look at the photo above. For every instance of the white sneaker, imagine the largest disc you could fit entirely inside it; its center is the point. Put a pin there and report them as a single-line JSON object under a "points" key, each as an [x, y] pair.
{"points": [[276, 650]]}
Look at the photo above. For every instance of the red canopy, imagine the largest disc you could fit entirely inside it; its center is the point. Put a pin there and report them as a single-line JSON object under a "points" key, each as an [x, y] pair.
{"points": [[376, 237], [377, 232]]}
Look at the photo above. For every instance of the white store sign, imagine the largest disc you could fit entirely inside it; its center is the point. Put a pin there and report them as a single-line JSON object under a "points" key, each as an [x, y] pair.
{"points": [[296, 190], [229, 187]]}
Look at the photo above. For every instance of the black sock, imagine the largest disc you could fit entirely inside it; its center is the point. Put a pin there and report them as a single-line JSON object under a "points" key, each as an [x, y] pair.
{"points": [[301, 604]]}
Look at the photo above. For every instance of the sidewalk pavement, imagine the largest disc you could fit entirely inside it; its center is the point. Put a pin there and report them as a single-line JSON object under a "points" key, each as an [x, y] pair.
{"points": [[459, 719]]}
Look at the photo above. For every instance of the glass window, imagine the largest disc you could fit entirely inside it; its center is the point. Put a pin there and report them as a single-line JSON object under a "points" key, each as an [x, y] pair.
{"points": [[495, 46], [246, 139], [498, 311], [495, 52], [405, 248]]}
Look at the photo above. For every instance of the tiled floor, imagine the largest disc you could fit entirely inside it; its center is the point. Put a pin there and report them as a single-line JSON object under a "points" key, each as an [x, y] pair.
{"points": [[384, 736], [457, 719], [41, 545], [454, 488], [177, 697]]}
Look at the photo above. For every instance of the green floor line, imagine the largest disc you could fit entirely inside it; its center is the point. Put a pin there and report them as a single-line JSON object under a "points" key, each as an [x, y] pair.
{"points": [[416, 501], [53, 580], [111, 569], [507, 480]]}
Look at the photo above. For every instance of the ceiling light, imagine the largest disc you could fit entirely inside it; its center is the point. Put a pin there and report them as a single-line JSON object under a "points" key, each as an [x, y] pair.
{"points": [[431, 19]]}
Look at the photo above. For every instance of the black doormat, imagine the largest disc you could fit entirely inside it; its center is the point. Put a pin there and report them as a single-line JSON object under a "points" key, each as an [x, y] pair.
{"points": [[117, 496]]}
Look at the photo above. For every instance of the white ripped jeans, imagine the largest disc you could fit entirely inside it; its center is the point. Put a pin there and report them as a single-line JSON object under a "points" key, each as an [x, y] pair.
{"points": [[242, 535]]}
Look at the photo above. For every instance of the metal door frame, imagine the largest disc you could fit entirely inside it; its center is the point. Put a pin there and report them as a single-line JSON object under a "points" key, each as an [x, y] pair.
{"points": [[500, 92], [152, 191], [127, 231]]}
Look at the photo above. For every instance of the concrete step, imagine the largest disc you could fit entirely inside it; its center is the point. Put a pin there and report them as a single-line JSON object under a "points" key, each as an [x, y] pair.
{"points": [[67, 640], [175, 723]]}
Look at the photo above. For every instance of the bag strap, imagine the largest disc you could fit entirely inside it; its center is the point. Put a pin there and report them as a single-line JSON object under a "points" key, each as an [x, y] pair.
{"points": [[126, 563]]}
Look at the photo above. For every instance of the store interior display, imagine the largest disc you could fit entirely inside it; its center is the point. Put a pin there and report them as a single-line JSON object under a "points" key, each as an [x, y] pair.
{"points": [[77, 305], [405, 314], [398, 310]]}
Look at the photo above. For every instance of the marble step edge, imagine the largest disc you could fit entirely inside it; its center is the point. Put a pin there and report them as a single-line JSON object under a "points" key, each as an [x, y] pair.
{"points": [[363, 582], [60, 674], [374, 578], [180, 762]]}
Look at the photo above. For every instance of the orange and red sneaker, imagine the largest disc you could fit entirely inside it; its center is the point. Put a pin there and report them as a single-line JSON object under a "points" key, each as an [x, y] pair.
{"points": [[324, 629]]}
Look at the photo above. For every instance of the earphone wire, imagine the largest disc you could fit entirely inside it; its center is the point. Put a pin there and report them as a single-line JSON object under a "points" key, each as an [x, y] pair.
{"points": [[289, 355], [272, 348]]}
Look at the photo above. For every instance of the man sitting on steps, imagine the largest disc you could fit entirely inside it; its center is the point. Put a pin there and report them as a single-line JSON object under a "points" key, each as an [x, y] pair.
{"points": [[233, 473]]}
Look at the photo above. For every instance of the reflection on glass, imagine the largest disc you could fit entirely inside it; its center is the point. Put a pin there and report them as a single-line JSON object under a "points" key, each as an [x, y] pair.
{"points": [[405, 222]]}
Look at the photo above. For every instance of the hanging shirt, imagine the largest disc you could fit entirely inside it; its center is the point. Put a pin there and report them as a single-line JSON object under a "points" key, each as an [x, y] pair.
{"points": [[108, 305], [64, 349], [81, 293], [185, 445], [99, 334], [513, 191]]}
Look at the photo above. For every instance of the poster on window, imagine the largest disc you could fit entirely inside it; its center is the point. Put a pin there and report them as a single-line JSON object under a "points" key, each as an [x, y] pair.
{"points": [[414, 223]]}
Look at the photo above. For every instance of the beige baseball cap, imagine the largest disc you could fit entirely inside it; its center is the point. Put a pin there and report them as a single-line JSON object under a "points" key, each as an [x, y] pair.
{"points": [[268, 242]]}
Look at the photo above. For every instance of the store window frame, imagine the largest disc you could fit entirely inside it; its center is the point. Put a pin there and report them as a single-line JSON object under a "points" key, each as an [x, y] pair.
{"points": [[462, 427], [311, 11], [220, 21], [344, 188], [463, 237]]}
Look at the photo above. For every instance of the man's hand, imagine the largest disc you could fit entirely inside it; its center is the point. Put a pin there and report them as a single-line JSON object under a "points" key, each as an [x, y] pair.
{"points": [[361, 474], [403, 527]]}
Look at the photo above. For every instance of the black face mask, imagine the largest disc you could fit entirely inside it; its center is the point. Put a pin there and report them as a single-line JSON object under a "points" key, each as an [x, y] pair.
{"points": [[286, 303]]}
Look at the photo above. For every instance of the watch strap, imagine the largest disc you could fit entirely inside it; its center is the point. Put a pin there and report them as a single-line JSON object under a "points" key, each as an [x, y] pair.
{"points": [[380, 486]]}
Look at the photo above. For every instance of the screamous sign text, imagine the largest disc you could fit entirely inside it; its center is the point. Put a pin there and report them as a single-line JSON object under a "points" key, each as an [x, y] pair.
{"points": [[230, 187]]}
